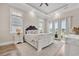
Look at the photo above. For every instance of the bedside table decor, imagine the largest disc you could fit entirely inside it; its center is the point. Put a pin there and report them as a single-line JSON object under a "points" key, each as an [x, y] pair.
{"points": [[76, 30], [18, 32]]}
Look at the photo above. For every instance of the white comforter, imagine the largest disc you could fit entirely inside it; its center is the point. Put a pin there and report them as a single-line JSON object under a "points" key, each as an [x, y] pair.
{"points": [[39, 40]]}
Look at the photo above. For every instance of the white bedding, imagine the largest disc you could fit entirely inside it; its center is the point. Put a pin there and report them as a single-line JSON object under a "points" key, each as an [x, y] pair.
{"points": [[39, 41]]}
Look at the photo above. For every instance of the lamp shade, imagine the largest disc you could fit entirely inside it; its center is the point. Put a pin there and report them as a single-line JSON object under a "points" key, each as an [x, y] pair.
{"points": [[18, 31]]}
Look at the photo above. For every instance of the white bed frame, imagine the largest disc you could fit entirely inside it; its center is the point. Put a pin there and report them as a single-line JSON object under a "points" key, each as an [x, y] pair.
{"points": [[39, 41]]}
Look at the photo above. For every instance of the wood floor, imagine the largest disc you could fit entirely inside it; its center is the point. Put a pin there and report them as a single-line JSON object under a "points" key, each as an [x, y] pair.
{"points": [[7, 48], [24, 49]]}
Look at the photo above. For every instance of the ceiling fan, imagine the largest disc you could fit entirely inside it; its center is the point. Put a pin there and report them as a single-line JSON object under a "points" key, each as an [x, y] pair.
{"points": [[44, 3]]}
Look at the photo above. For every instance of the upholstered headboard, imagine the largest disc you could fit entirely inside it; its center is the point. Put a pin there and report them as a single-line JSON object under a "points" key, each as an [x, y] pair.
{"points": [[31, 30]]}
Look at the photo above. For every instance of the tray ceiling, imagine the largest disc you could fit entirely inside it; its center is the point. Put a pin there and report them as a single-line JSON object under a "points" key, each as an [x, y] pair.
{"points": [[52, 7]]}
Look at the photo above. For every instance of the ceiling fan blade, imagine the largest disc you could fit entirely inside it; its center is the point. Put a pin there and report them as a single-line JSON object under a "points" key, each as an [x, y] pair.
{"points": [[41, 4], [46, 4]]}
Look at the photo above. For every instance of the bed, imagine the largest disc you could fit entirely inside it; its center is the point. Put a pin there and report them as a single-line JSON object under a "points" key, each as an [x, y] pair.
{"points": [[40, 40]]}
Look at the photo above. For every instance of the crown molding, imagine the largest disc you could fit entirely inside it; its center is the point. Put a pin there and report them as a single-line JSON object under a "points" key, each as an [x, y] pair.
{"points": [[50, 11]]}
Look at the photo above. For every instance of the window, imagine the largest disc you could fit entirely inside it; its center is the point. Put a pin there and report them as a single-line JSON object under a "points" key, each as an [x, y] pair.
{"points": [[50, 27], [56, 25], [41, 25], [63, 25], [16, 22]]}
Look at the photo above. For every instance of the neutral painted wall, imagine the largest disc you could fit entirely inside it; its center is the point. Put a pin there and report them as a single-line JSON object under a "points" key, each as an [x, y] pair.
{"points": [[30, 19], [5, 35]]}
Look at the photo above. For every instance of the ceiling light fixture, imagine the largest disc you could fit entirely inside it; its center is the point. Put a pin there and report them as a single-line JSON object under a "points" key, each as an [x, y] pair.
{"points": [[44, 3]]}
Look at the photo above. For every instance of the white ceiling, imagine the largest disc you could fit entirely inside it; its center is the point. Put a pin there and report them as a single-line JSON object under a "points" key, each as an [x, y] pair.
{"points": [[52, 7], [45, 11]]}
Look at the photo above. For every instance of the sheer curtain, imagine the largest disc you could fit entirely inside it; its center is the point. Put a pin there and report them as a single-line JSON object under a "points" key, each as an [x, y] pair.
{"points": [[62, 26], [41, 26], [50, 27]]}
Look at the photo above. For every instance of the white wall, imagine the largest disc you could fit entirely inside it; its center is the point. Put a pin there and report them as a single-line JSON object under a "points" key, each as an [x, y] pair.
{"points": [[30, 19], [4, 24]]}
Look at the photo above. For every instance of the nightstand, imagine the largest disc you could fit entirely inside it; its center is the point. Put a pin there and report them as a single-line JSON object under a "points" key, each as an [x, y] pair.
{"points": [[18, 38]]}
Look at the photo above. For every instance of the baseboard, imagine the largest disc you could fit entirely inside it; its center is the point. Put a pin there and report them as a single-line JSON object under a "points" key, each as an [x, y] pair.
{"points": [[6, 43]]}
